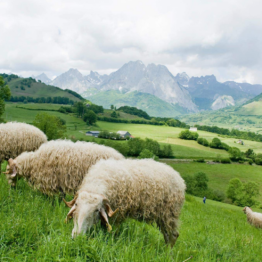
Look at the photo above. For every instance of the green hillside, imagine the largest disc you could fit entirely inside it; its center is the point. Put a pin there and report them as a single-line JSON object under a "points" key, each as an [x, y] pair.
{"points": [[147, 102], [29, 87], [33, 229], [247, 117]]}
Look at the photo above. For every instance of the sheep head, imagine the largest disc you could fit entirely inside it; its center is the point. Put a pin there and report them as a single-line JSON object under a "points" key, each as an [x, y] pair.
{"points": [[87, 209], [245, 209], [11, 172]]}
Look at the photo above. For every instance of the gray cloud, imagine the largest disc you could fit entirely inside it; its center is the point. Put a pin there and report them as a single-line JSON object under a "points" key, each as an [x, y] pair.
{"points": [[199, 37]]}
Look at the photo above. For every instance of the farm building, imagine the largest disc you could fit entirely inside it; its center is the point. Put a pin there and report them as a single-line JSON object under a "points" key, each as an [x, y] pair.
{"points": [[124, 134], [194, 129], [241, 142], [92, 133]]}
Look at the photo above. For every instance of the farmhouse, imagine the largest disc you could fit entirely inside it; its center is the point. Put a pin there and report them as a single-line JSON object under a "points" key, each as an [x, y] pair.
{"points": [[92, 133], [241, 142], [124, 134], [194, 129]]}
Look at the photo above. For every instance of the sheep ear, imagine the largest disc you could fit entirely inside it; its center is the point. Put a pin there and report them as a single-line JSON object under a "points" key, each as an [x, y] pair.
{"points": [[105, 219], [109, 210]]}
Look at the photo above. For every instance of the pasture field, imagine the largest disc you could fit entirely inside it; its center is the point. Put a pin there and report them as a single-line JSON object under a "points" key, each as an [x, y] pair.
{"points": [[164, 134], [219, 175], [32, 229]]}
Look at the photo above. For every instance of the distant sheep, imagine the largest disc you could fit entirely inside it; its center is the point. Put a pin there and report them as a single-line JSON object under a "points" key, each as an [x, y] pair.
{"points": [[16, 138], [253, 218], [140, 189], [58, 166]]}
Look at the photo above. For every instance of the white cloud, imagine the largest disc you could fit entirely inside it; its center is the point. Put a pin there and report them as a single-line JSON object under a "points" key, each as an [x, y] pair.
{"points": [[200, 37]]}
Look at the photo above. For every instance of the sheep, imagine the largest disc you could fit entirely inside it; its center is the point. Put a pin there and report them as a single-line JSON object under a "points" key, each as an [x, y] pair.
{"points": [[58, 166], [16, 138], [141, 189], [253, 218]]}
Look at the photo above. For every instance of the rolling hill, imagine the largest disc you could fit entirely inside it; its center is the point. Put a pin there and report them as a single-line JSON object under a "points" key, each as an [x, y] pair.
{"points": [[29, 87], [147, 102]]}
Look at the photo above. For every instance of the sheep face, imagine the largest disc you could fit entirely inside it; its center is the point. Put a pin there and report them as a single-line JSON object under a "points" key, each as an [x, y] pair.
{"points": [[11, 172], [245, 209], [87, 210]]}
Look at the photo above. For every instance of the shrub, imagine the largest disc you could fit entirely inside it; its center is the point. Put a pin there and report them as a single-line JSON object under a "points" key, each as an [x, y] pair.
{"points": [[219, 195], [202, 141], [258, 161], [186, 134], [145, 153], [200, 160], [241, 161], [166, 152], [225, 161], [235, 154], [216, 160], [216, 143], [250, 162]]}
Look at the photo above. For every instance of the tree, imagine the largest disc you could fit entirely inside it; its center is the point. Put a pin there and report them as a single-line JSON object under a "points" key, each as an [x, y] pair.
{"points": [[235, 154], [235, 190], [145, 153], [136, 145], [216, 143], [52, 126], [186, 134], [250, 153], [113, 114], [112, 107], [5, 94], [152, 145], [90, 117], [201, 181]]}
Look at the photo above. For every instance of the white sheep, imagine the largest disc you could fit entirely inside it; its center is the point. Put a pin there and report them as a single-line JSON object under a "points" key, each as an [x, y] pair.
{"points": [[16, 138], [58, 166], [140, 189], [253, 218]]}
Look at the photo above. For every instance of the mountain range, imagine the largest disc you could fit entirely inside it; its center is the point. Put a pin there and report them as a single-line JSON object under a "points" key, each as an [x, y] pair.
{"points": [[134, 82]]}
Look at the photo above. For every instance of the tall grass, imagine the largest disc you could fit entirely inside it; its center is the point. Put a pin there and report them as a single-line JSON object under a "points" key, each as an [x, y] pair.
{"points": [[32, 228]]}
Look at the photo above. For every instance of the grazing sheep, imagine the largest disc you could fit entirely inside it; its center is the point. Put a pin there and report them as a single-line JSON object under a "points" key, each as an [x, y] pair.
{"points": [[140, 189], [58, 166], [16, 138], [253, 218]]}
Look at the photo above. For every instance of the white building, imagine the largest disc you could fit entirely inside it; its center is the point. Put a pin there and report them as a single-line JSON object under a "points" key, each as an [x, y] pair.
{"points": [[194, 129]]}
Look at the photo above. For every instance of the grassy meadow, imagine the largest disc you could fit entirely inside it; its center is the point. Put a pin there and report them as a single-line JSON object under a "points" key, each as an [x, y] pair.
{"points": [[219, 175], [32, 229]]}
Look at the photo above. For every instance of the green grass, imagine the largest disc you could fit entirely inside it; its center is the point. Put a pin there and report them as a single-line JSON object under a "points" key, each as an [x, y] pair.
{"points": [[219, 175], [163, 134], [32, 229]]}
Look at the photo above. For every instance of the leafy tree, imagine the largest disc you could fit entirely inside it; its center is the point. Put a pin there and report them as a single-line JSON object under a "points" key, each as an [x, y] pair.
{"points": [[152, 145], [52, 126], [145, 153], [80, 108], [5, 94], [112, 107], [235, 154], [216, 143], [113, 114], [201, 181], [250, 153], [235, 190], [136, 145], [166, 151], [90, 117], [186, 134]]}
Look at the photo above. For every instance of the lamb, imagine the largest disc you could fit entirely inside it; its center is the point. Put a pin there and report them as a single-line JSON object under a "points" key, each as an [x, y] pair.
{"points": [[58, 166], [16, 138], [253, 218], [141, 189]]}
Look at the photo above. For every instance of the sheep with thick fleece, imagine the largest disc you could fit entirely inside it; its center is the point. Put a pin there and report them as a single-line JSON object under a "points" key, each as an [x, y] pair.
{"points": [[16, 138], [140, 189], [253, 218], [59, 165]]}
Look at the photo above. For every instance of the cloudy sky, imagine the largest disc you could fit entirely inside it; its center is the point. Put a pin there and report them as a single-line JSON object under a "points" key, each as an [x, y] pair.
{"points": [[220, 37]]}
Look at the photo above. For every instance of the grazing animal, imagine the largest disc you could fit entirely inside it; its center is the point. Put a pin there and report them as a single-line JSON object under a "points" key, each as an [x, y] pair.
{"points": [[253, 218], [141, 189], [59, 165], [16, 138]]}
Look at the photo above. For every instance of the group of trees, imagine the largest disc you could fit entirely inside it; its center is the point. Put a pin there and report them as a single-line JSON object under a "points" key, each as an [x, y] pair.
{"points": [[5, 94], [188, 135], [49, 100], [54, 127], [134, 111], [242, 194], [231, 133], [197, 185]]}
